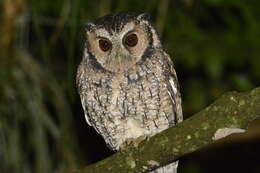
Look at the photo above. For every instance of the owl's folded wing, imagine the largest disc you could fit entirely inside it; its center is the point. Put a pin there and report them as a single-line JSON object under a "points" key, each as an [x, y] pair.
{"points": [[174, 91]]}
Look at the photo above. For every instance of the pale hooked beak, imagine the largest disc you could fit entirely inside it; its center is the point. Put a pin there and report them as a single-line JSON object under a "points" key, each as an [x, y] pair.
{"points": [[119, 59], [119, 55]]}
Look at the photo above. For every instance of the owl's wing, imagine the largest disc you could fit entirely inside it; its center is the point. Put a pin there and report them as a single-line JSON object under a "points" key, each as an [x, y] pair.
{"points": [[174, 91], [80, 80]]}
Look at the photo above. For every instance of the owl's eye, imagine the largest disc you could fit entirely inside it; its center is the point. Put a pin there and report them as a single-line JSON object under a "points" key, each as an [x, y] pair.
{"points": [[131, 40], [104, 45]]}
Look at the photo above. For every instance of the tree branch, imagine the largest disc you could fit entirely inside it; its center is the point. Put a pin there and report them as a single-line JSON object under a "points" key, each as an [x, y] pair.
{"points": [[231, 113]]}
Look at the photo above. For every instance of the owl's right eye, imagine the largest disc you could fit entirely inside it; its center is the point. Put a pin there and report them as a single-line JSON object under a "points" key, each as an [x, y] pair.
{"points": [[104, 45]]}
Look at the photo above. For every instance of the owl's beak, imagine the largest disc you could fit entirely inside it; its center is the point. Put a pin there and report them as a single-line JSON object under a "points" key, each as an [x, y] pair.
{"points": [[119, 56]]}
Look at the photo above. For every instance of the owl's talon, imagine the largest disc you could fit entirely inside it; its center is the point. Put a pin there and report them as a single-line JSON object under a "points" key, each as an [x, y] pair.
{"points": [[133, 142]]}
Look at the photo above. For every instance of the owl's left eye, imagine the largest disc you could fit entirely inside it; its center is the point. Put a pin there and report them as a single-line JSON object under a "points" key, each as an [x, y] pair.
{"points": [[131, 40], [104, 45]]}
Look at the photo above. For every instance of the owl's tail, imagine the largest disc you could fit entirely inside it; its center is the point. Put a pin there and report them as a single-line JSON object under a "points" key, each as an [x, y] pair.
{"points": [[171, 168]]}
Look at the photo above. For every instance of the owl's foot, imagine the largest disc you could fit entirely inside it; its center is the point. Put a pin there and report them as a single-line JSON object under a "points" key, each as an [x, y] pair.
{"points": [[133, 142]]}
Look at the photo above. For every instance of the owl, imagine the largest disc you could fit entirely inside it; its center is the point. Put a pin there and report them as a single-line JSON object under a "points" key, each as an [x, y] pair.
{"points": [[127, 82]]}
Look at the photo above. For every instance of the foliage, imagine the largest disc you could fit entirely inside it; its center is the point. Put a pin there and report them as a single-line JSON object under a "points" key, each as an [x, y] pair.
{"points": [[31, 139]]}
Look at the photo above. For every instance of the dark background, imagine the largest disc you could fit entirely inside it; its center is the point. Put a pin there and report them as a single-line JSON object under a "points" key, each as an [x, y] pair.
{"points": [[215, 45]]}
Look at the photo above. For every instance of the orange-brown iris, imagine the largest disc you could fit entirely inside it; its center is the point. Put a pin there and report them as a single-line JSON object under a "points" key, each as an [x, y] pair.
{"points": [[131, 40], [104, 45]]}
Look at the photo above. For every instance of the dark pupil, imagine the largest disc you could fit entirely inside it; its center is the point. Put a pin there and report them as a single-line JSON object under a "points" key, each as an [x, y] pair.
{"points": [[104, 45], [131, 40]]}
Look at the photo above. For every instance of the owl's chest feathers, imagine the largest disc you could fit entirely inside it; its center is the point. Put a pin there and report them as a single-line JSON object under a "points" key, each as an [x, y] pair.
{"points": [[130, 92], [132, 103]]}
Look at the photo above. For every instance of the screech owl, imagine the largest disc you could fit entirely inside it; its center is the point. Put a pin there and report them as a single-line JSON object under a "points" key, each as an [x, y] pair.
{"points": [[126, 81]]}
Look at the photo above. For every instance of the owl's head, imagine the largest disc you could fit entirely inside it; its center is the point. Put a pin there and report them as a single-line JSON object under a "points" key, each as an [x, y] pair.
{"points": [[118, 41]]}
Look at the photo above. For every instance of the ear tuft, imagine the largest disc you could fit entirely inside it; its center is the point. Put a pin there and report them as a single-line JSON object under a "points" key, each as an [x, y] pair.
{"points": [[144, 16], [89, 27]]}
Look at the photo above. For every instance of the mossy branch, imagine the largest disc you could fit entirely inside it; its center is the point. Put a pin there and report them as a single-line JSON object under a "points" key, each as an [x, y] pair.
{"points": [[228, 114]]}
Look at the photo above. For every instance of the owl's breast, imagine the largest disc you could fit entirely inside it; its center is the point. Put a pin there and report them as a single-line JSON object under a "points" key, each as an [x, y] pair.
{"points": [[128, 105]]}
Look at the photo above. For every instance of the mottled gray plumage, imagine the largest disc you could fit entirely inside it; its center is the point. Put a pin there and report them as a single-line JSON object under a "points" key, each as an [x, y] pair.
{"points": [[127, 91]]}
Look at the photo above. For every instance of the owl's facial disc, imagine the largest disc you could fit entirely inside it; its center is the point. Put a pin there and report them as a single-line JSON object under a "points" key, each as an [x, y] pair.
{"points": [[119, 50]]}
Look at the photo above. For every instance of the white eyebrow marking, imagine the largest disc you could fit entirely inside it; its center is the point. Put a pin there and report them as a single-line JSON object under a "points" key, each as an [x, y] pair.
{"points": [[101, 32]]}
